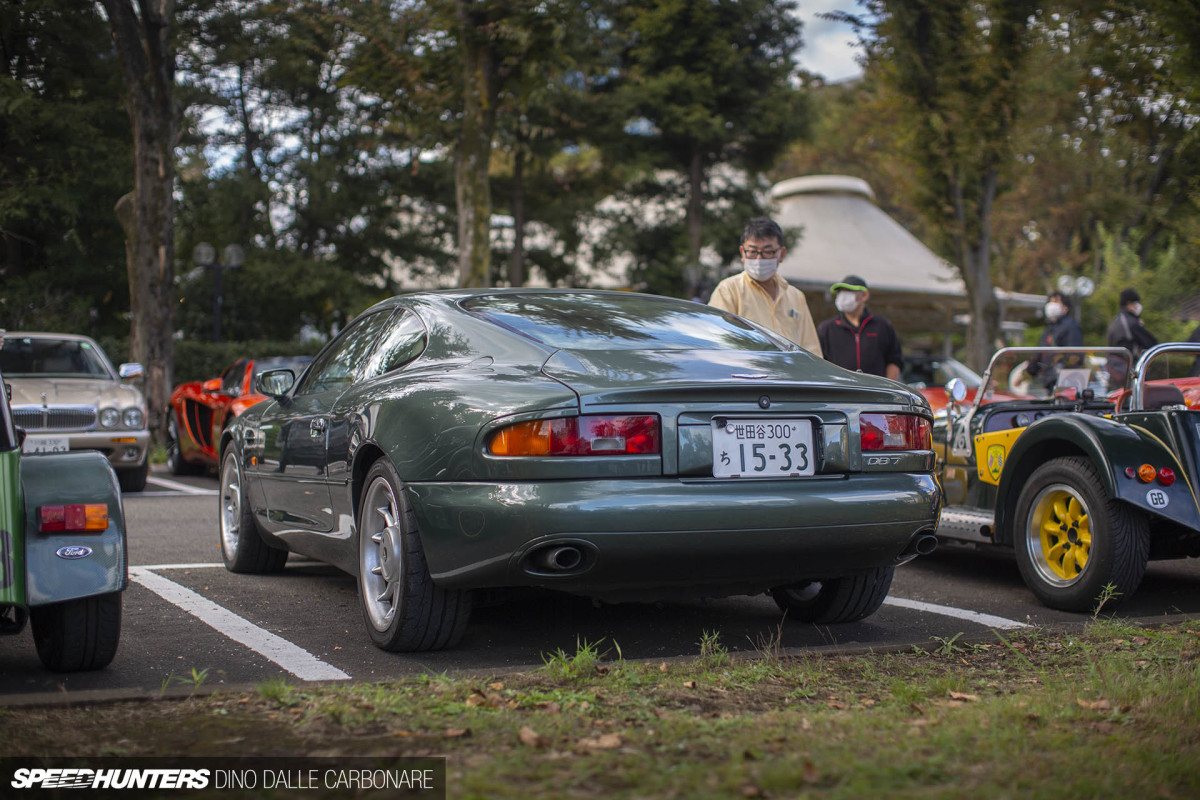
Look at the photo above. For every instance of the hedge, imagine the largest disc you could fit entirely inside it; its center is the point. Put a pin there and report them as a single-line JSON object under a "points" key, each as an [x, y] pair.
{"points": [[197, 360]]}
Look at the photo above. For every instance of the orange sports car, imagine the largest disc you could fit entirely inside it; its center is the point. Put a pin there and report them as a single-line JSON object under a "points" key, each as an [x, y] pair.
{"points": [[201, 410]]}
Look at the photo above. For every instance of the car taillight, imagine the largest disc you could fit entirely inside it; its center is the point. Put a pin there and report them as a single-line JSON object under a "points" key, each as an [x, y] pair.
{"points": [[597, 435], [894, 432], [77, 517]]}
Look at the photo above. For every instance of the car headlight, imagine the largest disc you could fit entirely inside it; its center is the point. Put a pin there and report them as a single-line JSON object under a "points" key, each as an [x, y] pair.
{"points": [[109, 418], [133, 418]]}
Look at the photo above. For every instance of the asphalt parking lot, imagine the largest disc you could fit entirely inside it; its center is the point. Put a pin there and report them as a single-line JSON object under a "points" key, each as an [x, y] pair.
{"points": [[189, 622]]}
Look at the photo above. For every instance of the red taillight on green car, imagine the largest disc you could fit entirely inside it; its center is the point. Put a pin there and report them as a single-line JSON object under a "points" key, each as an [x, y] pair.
{"points": [[593, 435], [894, 432], [73, 518]]}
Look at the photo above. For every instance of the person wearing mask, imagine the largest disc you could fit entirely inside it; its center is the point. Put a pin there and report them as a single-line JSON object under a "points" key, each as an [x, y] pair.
{"points": [[1127, 329], [1061, 331], [760, 295], [856, 339]]}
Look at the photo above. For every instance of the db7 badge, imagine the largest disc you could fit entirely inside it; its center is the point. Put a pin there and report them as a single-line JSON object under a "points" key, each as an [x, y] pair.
{"points": [[882, 461]]}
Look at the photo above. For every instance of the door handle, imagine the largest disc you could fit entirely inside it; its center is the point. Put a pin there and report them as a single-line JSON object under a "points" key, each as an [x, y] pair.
{"points": [[316, 427]]}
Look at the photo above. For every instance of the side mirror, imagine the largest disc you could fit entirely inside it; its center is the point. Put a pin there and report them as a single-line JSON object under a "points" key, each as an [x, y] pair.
{"points": [[212, 385], [130, 370], [275, 383]]}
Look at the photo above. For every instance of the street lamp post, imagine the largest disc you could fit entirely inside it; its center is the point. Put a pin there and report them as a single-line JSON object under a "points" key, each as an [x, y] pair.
{"points": [[1077, 288], [205, 255]]}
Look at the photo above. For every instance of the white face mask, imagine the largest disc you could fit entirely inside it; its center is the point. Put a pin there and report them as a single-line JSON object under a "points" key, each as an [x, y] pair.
{"points": [[761, 268], [1054, 310], [1136, 308], [846, 301]]}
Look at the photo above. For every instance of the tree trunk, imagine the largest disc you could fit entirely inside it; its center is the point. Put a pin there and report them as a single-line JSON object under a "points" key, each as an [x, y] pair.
{"points": [[147, 214], [516, 262], [695, 222], [472, 191]]}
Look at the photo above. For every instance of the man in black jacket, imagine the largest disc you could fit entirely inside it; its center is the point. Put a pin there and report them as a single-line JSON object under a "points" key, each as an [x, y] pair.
{"points": [[1061, 331], [856, 339], [1128, 331]]}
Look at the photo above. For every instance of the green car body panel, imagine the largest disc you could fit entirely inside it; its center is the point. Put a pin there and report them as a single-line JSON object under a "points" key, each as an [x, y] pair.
{"points": [[12, 530], [79, 477], [34, 573]]}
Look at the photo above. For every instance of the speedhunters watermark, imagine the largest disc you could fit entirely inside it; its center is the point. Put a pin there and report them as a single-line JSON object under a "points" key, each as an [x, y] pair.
{"points": [[266, 777]]}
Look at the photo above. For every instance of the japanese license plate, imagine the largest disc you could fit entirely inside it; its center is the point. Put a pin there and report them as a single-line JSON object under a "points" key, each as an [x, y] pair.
{"points": [[763, 448], [46, 444]]}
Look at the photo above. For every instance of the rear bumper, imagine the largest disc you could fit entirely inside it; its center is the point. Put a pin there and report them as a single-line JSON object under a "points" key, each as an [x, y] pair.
{"points": [[648, 537]]}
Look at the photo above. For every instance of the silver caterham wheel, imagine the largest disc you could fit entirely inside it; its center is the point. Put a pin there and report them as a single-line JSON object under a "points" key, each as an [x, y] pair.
{"points": [[404, 610]]}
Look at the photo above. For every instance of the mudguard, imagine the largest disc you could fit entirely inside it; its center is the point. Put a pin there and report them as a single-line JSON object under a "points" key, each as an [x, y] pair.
{"points": [[1112, 447], [66, 478]]}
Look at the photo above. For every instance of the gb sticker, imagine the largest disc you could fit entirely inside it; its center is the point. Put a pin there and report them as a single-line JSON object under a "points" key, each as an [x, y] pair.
{"points": [[1157, 498]]}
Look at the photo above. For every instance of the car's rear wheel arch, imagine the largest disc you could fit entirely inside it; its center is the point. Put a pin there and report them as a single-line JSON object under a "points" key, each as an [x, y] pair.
{"points": [[364, 459], [1015, 472]]}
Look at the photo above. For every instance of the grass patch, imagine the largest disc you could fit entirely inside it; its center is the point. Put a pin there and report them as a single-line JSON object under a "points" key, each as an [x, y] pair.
{"points": [[1112, 711]]}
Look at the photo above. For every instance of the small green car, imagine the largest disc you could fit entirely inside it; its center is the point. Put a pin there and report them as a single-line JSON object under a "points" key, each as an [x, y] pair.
{"points": [[1083, 473], [63, 562]]}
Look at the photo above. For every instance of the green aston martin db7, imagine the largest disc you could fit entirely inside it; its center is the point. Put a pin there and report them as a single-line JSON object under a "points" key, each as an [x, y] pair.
{"points": [[610, 444]]}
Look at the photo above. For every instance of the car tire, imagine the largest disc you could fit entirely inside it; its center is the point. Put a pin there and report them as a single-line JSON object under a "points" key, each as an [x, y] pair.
{"points": [[846, 599], [242, 546], [175, 460], [1063, 516], [77, 635], [403, 609], [134, 479]]}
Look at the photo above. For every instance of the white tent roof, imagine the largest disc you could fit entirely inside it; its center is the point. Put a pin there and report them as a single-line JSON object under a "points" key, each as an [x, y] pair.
{"points": [[845, 233]]}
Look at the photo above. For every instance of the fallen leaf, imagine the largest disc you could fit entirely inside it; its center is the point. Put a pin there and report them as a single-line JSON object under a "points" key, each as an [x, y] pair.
{"points": [[549, 706], [475, 700], [497, 686], [970, 698], [838, 704], [810, 772], [689, 684], [1094, 705], [402, 734], [1141, 640], [606, 741], [662, 667], [454, 733], [531, 738], [805, 724], [750, 790]]}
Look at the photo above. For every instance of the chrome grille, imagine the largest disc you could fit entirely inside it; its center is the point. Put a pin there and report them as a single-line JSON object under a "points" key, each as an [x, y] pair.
{"points": [[55, 419]]}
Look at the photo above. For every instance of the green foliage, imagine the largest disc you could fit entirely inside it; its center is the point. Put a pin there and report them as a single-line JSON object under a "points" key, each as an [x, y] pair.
{"points": [[66, 160]]}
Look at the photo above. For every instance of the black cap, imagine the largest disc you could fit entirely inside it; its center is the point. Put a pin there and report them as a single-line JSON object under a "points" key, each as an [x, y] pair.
{"points": [[850, 282], [1130, 296]]}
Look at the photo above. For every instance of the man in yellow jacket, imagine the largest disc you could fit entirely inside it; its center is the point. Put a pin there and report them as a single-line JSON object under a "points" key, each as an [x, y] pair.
{"points": [[760, 295]]}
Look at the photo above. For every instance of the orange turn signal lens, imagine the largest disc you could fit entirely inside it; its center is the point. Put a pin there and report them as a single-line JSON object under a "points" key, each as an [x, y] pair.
{"points": [[1146, 473], [590, 435], [73, 518]]}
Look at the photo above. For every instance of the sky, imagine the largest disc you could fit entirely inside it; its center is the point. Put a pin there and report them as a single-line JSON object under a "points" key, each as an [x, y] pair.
{"points": [[830, 48]]}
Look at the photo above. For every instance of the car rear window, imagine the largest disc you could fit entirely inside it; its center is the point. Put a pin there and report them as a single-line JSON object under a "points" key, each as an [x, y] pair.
{"points": [[617, 321]]}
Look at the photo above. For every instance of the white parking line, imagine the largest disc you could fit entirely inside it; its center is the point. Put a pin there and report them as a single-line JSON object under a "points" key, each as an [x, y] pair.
{"points": [[176, 486], [959, 613], [299, 662]]}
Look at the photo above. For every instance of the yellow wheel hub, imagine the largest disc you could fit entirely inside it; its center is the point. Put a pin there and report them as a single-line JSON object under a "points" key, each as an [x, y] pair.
{"points": [[1065, 534]]}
